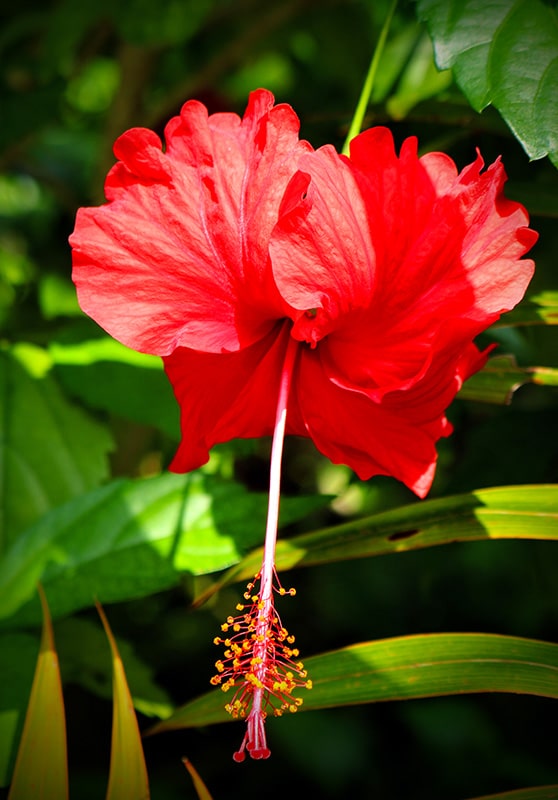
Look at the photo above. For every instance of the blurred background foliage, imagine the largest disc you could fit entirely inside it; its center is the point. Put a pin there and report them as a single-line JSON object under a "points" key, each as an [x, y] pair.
{"points": [[81, 410]]}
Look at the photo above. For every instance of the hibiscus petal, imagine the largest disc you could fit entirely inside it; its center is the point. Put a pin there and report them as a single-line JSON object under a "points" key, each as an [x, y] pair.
{"points": [[227, 396], [178, 256], [394, 437], [322, 255], [448, 250]]}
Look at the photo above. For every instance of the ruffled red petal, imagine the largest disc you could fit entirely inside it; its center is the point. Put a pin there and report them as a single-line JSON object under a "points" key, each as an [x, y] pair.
{"points": [[395, 437], [396, 258], [178, 256], [322, 254], [227, 396]]}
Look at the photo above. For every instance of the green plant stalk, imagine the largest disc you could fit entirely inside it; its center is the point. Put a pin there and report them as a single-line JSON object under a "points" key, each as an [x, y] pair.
{"points": [[356, 123]]}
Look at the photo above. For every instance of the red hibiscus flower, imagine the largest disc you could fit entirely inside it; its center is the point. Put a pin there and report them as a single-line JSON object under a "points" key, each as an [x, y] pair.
{"points": [[238, 238], [302, 292]]}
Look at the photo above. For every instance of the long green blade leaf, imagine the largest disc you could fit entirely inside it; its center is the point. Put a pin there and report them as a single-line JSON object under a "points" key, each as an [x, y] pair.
{"points": [[41, 769], [512, 512], [201, 789], [539, 309], [128, 773], [407, 668], [501, 376]]}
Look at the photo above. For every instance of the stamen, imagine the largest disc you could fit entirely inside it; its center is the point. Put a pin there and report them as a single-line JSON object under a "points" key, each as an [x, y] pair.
{"points": [[259, 660]]}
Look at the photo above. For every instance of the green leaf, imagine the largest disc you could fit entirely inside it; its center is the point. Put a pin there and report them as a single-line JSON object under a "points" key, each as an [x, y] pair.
{"points": [[419, 81], [109, 376], [501, 376], [128, 773], [200, 787], [50, 451], [41, 768], [134, 537], [84, 658], [18, 657], [503, 52], [405, 668], [508, 512], [539, 309]]}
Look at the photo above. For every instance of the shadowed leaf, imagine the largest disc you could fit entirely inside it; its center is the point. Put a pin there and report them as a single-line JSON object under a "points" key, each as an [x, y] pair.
{"points": [[503, 53]]}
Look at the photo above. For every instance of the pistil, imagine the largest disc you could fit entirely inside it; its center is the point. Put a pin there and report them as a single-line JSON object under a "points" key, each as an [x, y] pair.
{"points": [[259, 660]]}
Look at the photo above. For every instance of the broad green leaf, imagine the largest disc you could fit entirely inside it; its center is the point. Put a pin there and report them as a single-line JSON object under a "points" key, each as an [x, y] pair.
{"points": [[41, 768], [107, 375], [512, 512], [501, 376], [200, 787], [134, 537], [503, 52], [128, 773], [50, 451], [405, 668], [85, 660], [18, 658], [533, 793]]}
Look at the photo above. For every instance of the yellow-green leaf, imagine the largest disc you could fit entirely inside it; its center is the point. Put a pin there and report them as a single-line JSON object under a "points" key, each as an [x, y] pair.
{"points": [[41, 769], [128, 773], [408, 667], [200, 787], [539, 309], [504, 512], [501, 376]]}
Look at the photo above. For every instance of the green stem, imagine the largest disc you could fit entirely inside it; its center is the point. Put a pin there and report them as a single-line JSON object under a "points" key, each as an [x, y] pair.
{"points": [[358, 117]]}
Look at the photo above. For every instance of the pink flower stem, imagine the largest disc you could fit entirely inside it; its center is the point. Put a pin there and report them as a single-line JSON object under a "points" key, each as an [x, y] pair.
{"points": [[268, 563]]}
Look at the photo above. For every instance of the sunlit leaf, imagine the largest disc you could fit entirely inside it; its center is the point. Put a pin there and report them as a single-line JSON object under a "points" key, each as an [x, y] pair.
{"points": [[540, 309], [135, 537], [503, 52], [500, 378], [199, 785], [108, 376], [41, 769], [50, 450], [513, 512], [407, 668], [128, 773]]}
